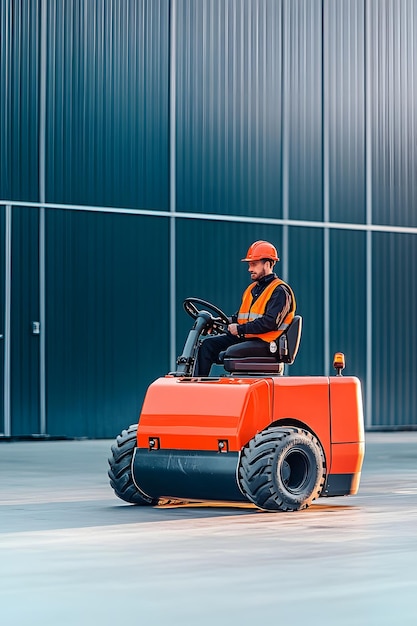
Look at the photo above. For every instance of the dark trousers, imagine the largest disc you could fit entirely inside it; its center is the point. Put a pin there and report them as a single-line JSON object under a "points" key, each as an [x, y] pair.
{"points": [[211, 347]]}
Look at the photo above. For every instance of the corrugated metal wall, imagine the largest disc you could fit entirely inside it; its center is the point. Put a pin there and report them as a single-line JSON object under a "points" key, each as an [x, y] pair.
{"points": [[228, 103], [19, 75], [297, 114], [392, 133], [302, 93], [107, 144], [24, 374], [19, 174], [107, 318], [2, 317], [344, 137], [392, 90], [107, 103]]}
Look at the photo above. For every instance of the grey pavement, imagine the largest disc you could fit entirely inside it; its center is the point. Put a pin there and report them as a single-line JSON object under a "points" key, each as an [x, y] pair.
{"points": [[72, 554]]}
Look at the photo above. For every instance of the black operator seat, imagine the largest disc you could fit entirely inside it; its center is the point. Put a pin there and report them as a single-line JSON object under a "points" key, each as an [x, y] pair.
{"points": [[287, 344]]}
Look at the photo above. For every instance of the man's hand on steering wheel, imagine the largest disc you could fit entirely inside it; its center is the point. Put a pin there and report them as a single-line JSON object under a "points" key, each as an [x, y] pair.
{"points": [[218, 319]]}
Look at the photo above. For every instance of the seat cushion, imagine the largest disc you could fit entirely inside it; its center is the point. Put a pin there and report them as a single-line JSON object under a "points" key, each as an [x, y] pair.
{"points": [[265, 364]]}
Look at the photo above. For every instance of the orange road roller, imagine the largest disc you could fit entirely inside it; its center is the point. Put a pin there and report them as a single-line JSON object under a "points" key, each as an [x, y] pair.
{"points": [[251, 435]]}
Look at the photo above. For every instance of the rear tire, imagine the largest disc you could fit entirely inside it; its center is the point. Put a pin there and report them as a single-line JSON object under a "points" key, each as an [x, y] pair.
{"points": [[282, 469], [120, 472]]}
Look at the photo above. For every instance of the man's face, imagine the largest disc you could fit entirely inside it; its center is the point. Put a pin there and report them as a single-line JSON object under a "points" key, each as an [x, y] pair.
{"points": [[258, 269]]}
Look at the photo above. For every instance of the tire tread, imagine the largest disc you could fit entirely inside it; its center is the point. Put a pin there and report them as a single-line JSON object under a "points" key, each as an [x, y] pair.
{"points": [[256, 468], [120, 470]]}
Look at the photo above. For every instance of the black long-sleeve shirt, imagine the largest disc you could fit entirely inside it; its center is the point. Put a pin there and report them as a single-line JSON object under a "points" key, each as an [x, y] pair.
{"points": [[276, 310]]}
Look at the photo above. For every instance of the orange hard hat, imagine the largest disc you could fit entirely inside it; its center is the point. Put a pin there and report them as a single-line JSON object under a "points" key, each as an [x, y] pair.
{"points": [[261, 250]]}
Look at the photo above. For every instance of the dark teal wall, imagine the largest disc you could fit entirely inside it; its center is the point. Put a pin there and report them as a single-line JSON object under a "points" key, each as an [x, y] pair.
{"points": [[255, 109], [303, 115], [344, 70], [107, 103], [24, 373], [229, 103], [348, 299], [305, 259], [2, 308], [19, 79], [394, 331], [392, 97], [108, 326]]}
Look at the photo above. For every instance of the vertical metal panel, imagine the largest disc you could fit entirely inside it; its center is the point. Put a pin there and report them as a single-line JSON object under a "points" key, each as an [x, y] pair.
{"points": [[5, 37], [19, 44], [24, 371], [395, 331], [303, 91], [228, 106], [107, 108], [107, 144], [344, 172], [348, 299], [5, 315], [172, 182], [2, 316], [369, 212], [306, 278], [392, 82], [344, 108], [393, 93], [108, 328], [42, 198]]}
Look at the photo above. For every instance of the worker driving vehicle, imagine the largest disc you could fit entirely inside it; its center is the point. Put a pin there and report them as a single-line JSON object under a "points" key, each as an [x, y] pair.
{"points": [[251, 435], [267, 309]]}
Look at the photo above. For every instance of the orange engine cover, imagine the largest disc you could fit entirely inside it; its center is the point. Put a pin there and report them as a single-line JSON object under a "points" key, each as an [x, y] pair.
{"points": [[195, 414]]}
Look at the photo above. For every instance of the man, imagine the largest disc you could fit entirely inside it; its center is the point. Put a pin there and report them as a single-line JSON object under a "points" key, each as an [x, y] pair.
{"points": [[267, 309]]}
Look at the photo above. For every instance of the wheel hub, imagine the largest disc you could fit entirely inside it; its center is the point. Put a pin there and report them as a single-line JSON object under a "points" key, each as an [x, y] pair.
{"points": [[294, 470]]}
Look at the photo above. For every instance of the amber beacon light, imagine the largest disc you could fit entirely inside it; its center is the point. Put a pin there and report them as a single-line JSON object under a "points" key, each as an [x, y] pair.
{"points": [[339, 362]]}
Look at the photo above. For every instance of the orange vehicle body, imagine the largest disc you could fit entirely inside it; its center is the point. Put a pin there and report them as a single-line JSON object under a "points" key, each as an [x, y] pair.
{"points": [[191, 430]]}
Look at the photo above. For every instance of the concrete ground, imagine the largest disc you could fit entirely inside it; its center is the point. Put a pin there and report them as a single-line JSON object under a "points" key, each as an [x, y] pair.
{"points": [[72, 554]]}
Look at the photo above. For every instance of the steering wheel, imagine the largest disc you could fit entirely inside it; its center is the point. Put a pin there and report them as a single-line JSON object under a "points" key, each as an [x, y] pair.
{"points": [[194, 306]]}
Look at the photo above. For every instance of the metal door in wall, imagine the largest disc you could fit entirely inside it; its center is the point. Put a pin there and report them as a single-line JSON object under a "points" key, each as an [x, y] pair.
{"points": [[19, 322]]}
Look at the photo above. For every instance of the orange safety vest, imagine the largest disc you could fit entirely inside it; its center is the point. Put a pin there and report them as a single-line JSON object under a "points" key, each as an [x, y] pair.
{"points": [[251, 311]]}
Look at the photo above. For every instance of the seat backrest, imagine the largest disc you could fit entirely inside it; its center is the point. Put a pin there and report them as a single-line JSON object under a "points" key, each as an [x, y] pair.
{"points": [[289, 342]]}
